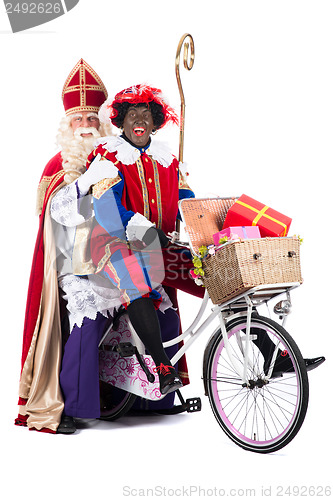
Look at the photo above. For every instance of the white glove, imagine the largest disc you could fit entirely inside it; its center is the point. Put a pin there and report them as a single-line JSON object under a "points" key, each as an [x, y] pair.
{"points": [[137, 227], [183, 168], [98, 170]]}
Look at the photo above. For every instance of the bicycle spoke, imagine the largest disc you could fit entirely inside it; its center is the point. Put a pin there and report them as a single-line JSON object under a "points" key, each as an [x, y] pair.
{"points": [[272, 415]]}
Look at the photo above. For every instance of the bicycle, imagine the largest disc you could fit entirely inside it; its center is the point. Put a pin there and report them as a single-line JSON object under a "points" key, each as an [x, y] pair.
{"points": [[259, 405]]}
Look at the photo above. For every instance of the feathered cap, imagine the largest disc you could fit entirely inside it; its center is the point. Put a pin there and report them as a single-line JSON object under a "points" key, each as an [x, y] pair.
{"points": [[137, 94], [83, 90]]}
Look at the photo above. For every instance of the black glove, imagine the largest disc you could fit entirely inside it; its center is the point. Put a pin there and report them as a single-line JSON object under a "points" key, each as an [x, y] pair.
{"points": [[152, 233]]}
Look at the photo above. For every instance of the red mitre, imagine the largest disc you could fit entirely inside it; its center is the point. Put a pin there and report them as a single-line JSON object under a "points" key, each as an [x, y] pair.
{"points": [[83, 90]]}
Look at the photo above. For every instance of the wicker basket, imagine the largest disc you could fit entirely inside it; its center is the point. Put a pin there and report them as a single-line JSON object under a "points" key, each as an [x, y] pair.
{"points": [[238, 266], [203, 218]]}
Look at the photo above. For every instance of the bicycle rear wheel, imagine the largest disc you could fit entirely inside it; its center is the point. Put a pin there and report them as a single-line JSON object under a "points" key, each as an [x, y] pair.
{"points": [[266, 415], [114, 402]]}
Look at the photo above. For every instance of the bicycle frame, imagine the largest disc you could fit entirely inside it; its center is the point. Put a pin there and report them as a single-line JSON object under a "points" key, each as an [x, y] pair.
{"points": [[244, 302], [240, 305]]}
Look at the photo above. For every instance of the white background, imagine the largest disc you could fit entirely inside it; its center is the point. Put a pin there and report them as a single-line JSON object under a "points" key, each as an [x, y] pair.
{"points": [[259, 120]]}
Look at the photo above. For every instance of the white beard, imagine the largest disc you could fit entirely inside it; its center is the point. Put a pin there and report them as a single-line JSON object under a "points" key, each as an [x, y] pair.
{"points": [[75, 148]]}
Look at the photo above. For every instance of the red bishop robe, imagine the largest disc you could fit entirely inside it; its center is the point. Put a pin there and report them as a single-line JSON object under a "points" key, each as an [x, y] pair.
{"points": [[51, 179]]}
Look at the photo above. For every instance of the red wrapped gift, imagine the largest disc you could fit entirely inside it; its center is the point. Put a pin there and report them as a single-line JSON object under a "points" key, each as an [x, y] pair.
{"points": [[248, 211]]}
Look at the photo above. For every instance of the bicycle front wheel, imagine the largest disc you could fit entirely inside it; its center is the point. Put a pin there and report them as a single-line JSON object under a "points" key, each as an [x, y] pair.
{"points": [[265, 414]]}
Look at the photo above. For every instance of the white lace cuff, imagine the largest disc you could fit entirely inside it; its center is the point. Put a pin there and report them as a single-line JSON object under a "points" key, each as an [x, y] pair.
{"points": [[87, 297], [64, 207], [137, 227]]}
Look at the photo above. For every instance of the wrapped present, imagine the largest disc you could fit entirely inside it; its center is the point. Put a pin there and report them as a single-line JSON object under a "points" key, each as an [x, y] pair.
{"points": [[242, 232], [247, 210]]}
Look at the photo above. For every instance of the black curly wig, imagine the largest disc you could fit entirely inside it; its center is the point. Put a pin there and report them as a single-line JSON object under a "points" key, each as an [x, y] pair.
{"points": [[155, 109]]}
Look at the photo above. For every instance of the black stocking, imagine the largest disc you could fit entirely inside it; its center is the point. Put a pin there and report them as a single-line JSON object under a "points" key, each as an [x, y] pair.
{"points": [[143, 317]]}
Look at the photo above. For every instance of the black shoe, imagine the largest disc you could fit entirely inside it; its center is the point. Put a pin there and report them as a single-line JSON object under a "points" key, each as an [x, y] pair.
{"points": [[67, 425], [169, 380], [312, 363], [284, 365]]}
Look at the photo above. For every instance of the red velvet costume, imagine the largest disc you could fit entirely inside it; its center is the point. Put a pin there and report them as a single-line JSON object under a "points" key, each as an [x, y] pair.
{"points": [[145, 187], [144, 192], [150, 189]]}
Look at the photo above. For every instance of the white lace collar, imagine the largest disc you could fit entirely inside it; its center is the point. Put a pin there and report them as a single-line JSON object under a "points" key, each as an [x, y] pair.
{"points": [[128, 154]]}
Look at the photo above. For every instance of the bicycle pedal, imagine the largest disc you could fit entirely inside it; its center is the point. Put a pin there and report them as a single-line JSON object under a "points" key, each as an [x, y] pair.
{"points": [[193, 404], [125, 349]]}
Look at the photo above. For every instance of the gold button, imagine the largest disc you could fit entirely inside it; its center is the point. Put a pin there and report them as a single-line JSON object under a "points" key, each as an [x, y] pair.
{"points": [[153, 201], [150, 179], [146, 159]]}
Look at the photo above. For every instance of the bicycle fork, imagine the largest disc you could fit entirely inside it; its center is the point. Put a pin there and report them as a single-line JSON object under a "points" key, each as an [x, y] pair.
{"points": [[241, 369], [283, 308]]}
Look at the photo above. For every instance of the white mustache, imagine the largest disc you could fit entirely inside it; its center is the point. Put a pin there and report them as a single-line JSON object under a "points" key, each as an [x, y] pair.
{"points": [[86, 130]]}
